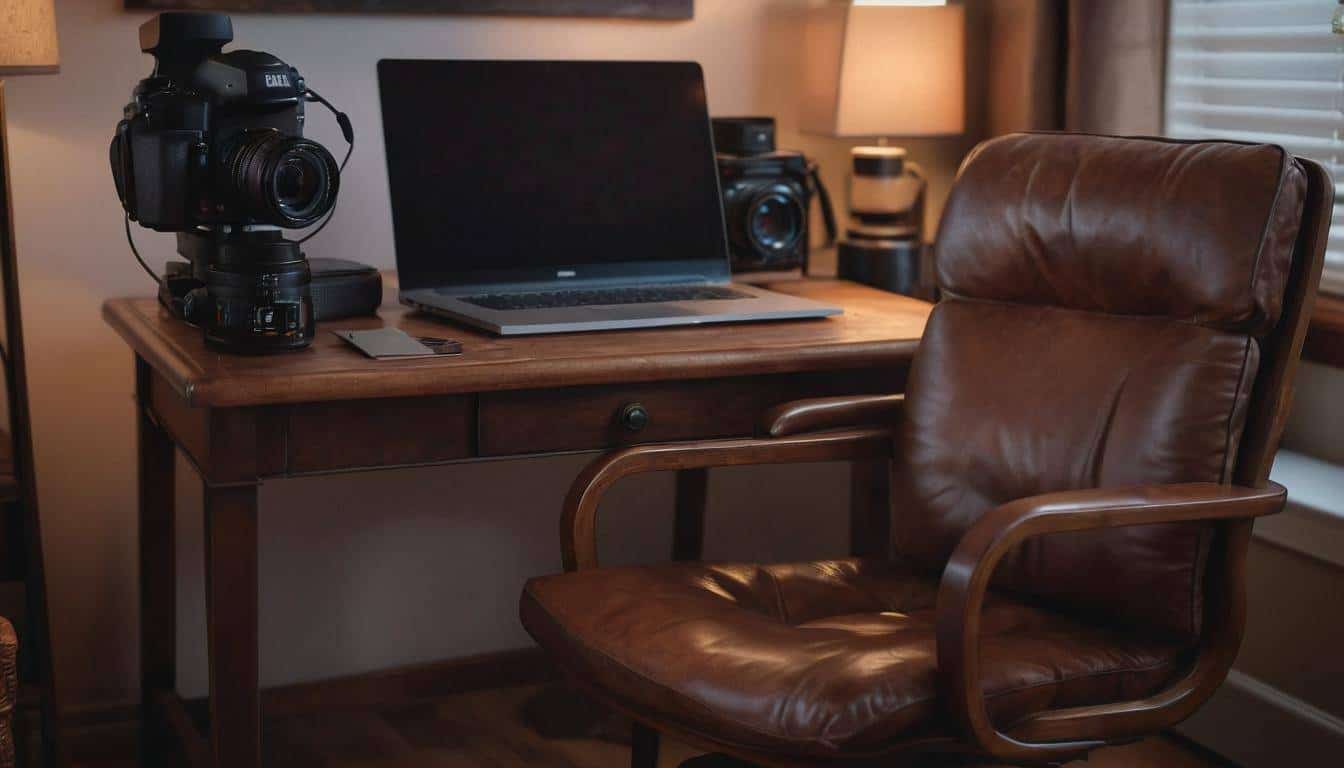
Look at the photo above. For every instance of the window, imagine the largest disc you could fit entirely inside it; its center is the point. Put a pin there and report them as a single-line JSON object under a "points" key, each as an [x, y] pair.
{"points": [[1263, 70]]}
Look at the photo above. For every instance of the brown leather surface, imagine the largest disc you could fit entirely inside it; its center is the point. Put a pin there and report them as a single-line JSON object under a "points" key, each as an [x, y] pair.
{"points": [[827, 658], [1006, 402], [1105, 303], [1102, 300], [1198, 232]]}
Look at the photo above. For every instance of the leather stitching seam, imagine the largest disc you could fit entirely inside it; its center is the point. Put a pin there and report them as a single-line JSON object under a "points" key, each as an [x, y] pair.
{"points": [[779, 596]]}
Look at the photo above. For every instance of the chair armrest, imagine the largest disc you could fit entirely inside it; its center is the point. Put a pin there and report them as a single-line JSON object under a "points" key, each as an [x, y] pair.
{"points": [[965, 581], [578, 523], [832, 413]]}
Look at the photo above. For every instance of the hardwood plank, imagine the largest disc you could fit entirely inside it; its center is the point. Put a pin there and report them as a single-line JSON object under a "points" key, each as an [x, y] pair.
{"points": [[487, 729], [878, 330]]}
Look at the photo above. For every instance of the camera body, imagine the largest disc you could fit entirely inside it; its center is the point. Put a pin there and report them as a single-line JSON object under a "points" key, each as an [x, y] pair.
{"points": [[767, 196], [211, 146], [215, 138]]}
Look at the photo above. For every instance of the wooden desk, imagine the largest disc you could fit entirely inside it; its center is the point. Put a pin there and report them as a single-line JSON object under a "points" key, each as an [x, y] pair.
{"points": [[241, 420]]}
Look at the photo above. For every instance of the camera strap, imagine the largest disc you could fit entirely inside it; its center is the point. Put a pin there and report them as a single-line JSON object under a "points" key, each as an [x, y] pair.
{"points": [[824, 201], [348, 131]]}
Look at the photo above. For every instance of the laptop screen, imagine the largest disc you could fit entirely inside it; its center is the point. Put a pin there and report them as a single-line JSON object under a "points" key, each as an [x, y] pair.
{"points": [[522, 171]]}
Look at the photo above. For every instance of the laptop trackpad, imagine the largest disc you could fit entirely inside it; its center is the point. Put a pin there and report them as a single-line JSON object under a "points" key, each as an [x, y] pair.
{"points": [[639, 311]]}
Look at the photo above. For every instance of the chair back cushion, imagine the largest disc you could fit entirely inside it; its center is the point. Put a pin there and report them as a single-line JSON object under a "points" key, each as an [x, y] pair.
{"points": [[1104, 302]]}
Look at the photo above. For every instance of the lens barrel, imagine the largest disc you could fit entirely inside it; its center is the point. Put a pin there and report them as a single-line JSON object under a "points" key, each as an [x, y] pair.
{"points": [[768, 222], [283, 180], [257, 295]]}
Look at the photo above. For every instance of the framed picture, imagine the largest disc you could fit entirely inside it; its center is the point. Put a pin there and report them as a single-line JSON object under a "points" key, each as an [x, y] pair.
{"points": [[648, 9]]}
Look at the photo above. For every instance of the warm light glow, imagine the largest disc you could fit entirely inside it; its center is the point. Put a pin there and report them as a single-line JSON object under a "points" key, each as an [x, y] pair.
{"points": [[28, 37], [900, 2], [884, 70]]}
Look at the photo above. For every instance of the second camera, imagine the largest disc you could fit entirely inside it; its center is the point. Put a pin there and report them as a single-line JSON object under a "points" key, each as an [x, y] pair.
{"points": [[767, 196]]}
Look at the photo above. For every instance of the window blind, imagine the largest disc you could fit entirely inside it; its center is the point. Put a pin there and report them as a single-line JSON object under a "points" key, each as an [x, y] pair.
{"points": [[1263, 70]]}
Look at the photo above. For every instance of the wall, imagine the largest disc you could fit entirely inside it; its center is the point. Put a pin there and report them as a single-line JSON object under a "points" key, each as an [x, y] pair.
{"points": [[359, 571], [1284, 702], [1317, 421]]}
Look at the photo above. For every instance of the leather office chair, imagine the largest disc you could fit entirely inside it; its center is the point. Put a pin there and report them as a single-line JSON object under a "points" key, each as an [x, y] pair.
{"points": [[1084, 442]]}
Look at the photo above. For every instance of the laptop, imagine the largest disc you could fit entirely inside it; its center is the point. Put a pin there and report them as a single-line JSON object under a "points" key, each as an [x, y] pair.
{"points": [[555, 196]]}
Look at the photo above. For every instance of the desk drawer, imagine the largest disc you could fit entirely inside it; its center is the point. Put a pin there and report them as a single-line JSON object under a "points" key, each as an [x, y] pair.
{"points": [[376, 433], [589, 418]]}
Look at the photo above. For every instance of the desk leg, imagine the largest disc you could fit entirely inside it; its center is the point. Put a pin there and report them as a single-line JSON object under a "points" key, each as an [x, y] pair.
{"points": [[158, 572], [870, 508], [231, 625], [688, 522]]}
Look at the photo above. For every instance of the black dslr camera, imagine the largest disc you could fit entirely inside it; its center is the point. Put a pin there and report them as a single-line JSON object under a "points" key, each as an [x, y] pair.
{"points": [[767, 196], [211, 147]]}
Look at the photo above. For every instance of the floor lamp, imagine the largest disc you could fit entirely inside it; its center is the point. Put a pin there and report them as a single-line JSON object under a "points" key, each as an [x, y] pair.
{"points": [[27, 47]]}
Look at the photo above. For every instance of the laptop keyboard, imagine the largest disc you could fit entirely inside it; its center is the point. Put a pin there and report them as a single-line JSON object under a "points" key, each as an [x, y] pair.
{"points": [[601, 296]]}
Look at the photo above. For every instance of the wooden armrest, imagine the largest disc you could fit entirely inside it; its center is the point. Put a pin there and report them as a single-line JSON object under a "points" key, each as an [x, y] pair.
{"points": [[578, 523], [832, 413], [961, 595]]}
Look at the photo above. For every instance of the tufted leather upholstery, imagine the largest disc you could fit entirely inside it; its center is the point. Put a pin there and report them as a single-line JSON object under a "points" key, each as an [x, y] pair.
{"points": [[1197, 232], [826, 658], [1105, 303], [1103, 296]]}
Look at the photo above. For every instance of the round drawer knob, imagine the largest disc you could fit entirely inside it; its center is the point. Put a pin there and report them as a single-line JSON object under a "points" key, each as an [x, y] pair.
{"points": [[634, 417]]}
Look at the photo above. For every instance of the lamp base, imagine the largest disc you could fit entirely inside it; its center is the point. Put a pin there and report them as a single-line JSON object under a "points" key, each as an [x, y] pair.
{"points": [[892, 265]]}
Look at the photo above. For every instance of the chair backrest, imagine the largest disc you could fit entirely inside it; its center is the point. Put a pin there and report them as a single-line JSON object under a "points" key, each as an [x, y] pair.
{"points": [[1114, 314]]}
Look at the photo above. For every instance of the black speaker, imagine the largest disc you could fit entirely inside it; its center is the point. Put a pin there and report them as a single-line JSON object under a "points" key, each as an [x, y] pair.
{"points": [[343, 288]]}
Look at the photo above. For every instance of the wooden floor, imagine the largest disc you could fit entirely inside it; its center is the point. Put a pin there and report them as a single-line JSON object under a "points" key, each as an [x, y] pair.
{"points": [[488, 729]]}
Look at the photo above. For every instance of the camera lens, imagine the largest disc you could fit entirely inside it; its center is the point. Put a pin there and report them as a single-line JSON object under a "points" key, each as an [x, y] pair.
{"points": [[298, 184], [286, 181], [775, 222]]}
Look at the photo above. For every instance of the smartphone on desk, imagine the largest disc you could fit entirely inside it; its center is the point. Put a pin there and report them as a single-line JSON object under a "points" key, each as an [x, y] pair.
{"points": [[396, 344]]}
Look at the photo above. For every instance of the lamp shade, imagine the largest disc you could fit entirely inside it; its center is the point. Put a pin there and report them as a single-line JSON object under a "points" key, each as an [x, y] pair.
{"points": [[28, 38], [885, 70]]}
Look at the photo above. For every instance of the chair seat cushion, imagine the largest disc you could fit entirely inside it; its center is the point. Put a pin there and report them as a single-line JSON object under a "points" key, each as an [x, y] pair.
{"points": [[828, 658]]}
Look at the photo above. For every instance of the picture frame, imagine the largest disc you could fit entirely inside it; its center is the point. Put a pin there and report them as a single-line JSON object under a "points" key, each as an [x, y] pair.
{"points": [[638, 9]]}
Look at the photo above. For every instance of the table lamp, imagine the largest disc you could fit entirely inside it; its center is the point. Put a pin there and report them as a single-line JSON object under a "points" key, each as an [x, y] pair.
{"points": [[879, 69]]}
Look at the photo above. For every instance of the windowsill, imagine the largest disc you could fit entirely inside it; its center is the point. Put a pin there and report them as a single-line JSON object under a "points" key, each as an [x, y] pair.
{"points": [[1325, 334], [1313, 522]]}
